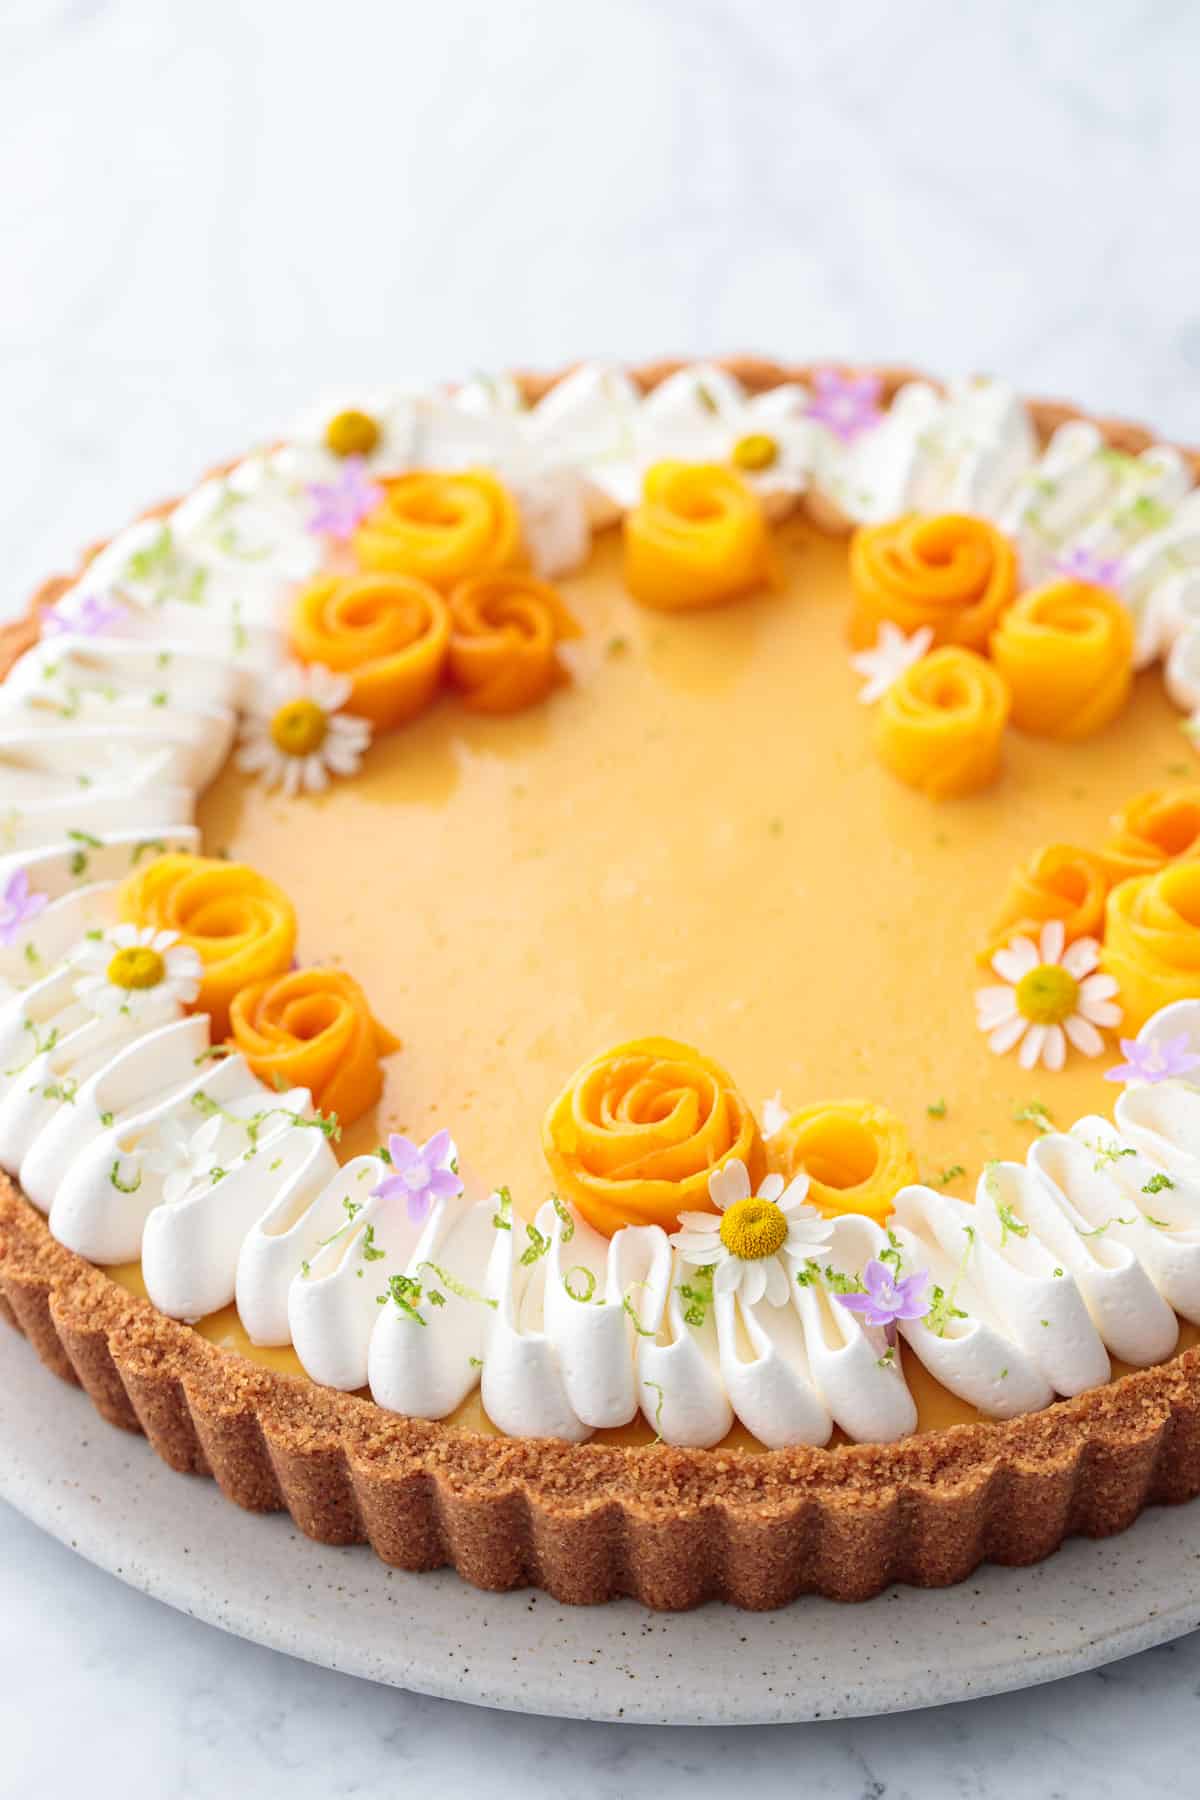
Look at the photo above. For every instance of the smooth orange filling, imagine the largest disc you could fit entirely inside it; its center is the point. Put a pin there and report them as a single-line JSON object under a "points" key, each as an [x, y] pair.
{"points": [[693, 837]]}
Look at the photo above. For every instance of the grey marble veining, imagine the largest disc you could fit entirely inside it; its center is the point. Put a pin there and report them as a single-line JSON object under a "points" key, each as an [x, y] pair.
{"points": [[210, 212]]}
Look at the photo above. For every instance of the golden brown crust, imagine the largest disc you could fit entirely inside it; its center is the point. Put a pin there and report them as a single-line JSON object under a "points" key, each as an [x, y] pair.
{"points": [[589, 1522]]}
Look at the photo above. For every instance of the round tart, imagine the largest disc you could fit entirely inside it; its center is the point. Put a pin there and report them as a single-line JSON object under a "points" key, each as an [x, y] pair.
{"points": [[600, 979]]}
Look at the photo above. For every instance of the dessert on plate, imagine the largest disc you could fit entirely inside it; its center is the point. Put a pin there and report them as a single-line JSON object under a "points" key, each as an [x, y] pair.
{"points": [[600, 978]]}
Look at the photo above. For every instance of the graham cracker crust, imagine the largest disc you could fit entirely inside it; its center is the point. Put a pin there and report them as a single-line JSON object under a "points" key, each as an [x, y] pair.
{"points": [[588, 1523]]}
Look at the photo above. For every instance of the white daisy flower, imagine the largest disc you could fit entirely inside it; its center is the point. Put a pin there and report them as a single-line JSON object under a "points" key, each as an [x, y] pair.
{"points": [[183, 1154], [1050, 996], [134, 970], [888, 658], [745, 1240], [382, 428], [300, 737], [702, 414]]}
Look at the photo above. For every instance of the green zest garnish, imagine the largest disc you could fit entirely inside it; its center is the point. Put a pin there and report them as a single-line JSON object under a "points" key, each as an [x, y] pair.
{"points": [[458, 1287], [502, 1218], [1010, 1225], [588, 1284], [698, 1292], [407, 1295]]}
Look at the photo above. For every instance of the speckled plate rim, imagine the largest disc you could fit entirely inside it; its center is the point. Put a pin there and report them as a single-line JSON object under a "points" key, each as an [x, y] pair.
{"points": [[177, 1539]]}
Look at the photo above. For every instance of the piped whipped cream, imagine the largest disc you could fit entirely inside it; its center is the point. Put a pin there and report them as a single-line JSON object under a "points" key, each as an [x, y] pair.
{"points": [[140, 1142]]}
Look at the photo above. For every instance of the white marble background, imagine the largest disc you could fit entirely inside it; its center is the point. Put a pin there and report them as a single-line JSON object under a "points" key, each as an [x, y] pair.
{"points": [[210, 209]]}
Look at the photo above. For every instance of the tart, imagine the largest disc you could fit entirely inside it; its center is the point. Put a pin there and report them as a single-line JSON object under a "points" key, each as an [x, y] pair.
{"points": [[599, 977]]}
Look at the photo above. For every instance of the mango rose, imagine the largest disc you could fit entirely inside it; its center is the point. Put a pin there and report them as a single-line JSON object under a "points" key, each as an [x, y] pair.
{"points": [[242, 927], [698, 538], [313, 1028], [857, 1156], [389, 633], [1152, 941], [442, 527], [504, 638], [1156, 828], [636, 1133], [940, 725], [1059, 882], [954, 573], [1066, 651]]}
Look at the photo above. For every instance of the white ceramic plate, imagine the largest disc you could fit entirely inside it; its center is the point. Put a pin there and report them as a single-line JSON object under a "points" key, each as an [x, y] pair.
{"points": [[106, 1494]]}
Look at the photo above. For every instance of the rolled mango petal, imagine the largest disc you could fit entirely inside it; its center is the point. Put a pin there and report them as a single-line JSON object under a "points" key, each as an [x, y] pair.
{"points": [[503, 645], [1059, 882], [242, 927], [698, 538], [954, 573], [939, 727], [313, 1028], [1066, 651], [636, 1133], [389, 633], [857, 1156], [1152, 941], [442, 527], [1156, 828]]}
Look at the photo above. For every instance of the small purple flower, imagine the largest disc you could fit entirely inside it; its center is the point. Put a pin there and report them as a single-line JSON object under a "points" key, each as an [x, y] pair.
{"points": [[18, 905], [1155, 1062], [1082, 564], [88, 618], [420, 1176], [343, 504], [889, 1297], [847, 404]]}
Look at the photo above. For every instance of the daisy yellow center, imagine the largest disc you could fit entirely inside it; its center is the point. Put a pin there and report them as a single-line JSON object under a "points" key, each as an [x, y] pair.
{"points": [[138, 967], [351, 433], [1047, 995], [299, 727], [755, 451], [753, 1228]]}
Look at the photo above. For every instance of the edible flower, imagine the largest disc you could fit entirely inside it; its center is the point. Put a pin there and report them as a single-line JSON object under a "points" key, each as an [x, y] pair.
{"points": [[19, 905], [1152, 1062], [89, 617], [743, 1242], [134, 969], [341, 505], [892, 653], [1084, 564], [420, 1175], [1050, 995], [301, 737], [184, 1155], [847, 405], [886, 1298]]}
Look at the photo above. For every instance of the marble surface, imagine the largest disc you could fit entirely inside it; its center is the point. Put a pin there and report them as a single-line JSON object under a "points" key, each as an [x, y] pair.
{"points": [[213, 211]]}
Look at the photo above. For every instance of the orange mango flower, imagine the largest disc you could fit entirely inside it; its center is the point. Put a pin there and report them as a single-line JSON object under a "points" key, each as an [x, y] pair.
{"points": [[241, 925], [1066, 651], [442, 527], [388, 632], [313, 1028], [1155, 828], [505, 630], [698, 538], [954, 573], [636, 1133], [939, 727]]}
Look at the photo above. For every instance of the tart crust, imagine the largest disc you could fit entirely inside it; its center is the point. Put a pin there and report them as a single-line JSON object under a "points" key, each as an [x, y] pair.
{"points": [[589, 1522]]}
